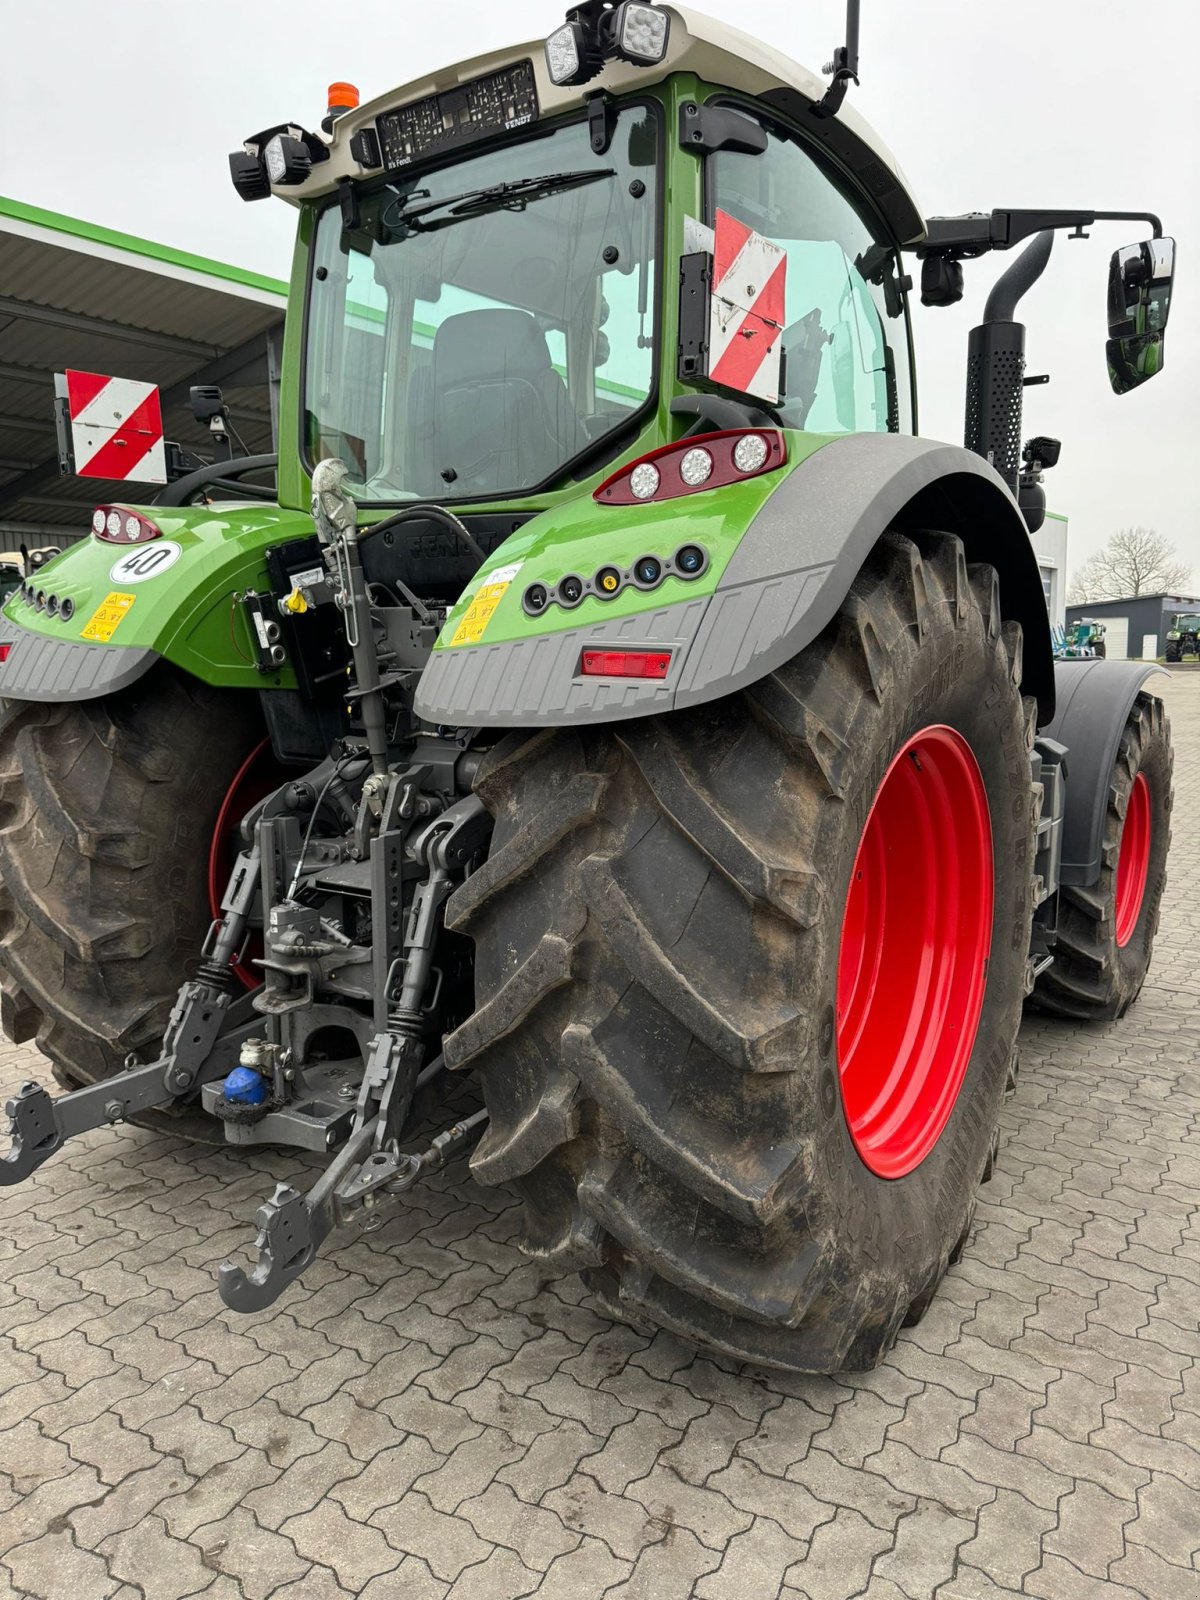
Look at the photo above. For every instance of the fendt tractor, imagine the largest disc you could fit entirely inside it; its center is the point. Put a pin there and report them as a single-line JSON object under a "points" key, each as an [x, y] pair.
{"points": [[1183, 639], [622, 706]]}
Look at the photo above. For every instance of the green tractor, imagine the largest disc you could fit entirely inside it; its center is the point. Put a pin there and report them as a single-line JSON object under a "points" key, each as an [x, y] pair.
{"points": [[621, 709], [1184, 636], [1081, 640]]}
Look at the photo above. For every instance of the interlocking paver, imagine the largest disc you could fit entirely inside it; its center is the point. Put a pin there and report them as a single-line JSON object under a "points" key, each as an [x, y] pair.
{"points": [[1090, 1532], [469, 1469], [1007, 1542], [448, 1545], [549, 1460], [631, 1450], [425, 1416], [356, 1553], [839, 1558], [162, 1568]]}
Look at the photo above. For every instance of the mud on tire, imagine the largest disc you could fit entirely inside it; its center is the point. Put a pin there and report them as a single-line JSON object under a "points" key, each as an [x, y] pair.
{"points": [[657, 934], [1093, 978], [107, 809]]}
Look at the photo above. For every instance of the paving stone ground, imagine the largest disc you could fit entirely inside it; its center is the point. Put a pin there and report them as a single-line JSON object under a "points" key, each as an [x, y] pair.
{"points": [[426, 1417]]}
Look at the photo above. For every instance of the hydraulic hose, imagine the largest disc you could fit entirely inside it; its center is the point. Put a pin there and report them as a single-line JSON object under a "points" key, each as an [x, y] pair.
{"points": [[424, 513]]}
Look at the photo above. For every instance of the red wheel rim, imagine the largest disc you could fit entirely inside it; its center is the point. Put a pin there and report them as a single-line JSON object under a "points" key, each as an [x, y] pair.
{"points": [[1133, 862], [257, 776], [912, 967]]}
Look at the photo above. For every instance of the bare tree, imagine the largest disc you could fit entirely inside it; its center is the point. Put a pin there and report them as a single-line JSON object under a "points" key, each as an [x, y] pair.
{"points": [[1134, 561]]}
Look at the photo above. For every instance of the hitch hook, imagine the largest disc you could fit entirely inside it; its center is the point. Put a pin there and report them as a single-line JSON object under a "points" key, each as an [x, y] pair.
{"points": [[289, 1236], [35, 1133]]}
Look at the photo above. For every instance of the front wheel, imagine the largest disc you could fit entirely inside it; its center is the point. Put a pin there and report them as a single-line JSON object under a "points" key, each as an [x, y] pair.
{"points": [[749, 976]]}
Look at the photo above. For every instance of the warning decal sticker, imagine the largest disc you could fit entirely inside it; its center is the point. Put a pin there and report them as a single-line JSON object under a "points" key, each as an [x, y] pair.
{"points": [[479, 613], [107, 617]]}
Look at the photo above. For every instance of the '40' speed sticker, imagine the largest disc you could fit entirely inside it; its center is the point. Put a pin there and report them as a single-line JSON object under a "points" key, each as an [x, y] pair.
{"points": [[148, 562]]}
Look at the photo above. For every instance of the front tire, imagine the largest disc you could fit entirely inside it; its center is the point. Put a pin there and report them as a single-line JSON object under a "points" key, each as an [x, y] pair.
{"points": [[658, 937]]}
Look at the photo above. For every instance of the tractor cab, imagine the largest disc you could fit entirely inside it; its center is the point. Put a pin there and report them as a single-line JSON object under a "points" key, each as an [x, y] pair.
{"points": [[530, 267]]}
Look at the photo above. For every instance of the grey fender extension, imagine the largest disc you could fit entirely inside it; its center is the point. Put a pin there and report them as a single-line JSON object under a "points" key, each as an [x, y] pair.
{"points": [[784, 583], [1094, 702], [44, 669]]}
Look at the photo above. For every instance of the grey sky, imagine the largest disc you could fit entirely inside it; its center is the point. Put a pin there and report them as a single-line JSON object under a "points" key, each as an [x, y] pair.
{"points": [[123, 114]]}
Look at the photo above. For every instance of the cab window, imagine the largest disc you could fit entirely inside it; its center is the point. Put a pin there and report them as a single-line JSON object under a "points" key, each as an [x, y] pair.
{"points": [[846, 350]]}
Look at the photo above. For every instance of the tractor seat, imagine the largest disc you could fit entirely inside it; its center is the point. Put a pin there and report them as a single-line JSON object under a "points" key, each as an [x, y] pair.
{"points": [[501, 415]]}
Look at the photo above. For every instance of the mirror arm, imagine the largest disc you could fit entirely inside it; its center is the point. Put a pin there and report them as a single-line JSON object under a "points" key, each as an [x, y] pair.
{"points": [[979, 232]]}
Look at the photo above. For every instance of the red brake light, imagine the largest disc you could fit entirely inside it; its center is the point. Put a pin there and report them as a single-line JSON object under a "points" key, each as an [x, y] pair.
{"points": [[701, 461], [625, 663], [4, 650], [120, 525]]}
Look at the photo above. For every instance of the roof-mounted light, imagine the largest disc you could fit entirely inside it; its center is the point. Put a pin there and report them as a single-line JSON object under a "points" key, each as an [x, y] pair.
{"points": [[287, 160], [641, 33], [248, 176], [283, 156], [568, 59], [594, 33]]}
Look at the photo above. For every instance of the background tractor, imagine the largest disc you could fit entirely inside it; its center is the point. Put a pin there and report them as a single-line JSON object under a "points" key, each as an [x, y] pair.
{"points": [[1183, 639], [1081, 640], [620, 707]]}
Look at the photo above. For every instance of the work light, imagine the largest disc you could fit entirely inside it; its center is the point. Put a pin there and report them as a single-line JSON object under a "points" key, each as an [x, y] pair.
{"points": [[566, 51], [248, 176], [641, 33], [287, 160], [592, 34]]}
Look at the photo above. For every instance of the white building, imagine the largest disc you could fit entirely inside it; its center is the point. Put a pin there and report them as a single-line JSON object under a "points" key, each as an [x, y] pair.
{"points": [[1050, 546]]}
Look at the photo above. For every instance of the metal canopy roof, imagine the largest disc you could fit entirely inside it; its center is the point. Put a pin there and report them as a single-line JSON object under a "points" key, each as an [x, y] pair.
{"points": [[76, 295]]}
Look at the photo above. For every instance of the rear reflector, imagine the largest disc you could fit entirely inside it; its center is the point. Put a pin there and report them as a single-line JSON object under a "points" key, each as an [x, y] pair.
{"points": [[625, 663], [4, 650]]}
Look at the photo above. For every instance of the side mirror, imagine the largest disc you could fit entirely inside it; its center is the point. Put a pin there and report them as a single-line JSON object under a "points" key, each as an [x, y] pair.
{"points": [[1139, 298]]}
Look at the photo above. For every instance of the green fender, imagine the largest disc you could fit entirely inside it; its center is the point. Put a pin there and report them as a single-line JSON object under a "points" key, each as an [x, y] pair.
{"points": [[129, 606], [783, 549]]}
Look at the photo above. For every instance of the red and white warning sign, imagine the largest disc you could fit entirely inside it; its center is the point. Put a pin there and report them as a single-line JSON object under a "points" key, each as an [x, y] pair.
{"points": [[747, 315], [116, 428]]}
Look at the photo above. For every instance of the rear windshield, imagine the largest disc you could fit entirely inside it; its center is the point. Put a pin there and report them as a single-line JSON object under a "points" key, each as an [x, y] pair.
{"points": [[463, 346]]}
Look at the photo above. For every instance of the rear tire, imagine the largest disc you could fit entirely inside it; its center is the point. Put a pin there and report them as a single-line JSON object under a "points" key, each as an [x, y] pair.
{"points": [[657, 935], [107, 809], [1099, 965]]}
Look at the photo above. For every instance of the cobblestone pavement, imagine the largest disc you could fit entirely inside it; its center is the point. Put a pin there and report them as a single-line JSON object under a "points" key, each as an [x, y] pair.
{"points": [[426, 1417]]}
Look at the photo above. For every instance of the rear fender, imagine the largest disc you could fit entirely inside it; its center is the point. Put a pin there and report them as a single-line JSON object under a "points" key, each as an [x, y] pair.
{"points": [[790, 571], [1095, 698], [183, 610]]}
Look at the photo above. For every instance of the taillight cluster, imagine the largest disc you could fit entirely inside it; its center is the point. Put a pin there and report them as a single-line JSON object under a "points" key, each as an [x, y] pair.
{"points": [[704, 461], [119, 525]]}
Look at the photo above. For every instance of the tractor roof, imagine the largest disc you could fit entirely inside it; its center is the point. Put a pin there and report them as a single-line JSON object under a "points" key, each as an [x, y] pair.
{"points": [[714, 52]]}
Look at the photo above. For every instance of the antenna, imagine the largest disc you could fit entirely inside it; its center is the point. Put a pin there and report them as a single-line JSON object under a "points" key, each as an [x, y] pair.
{"points": [[844, 67]]}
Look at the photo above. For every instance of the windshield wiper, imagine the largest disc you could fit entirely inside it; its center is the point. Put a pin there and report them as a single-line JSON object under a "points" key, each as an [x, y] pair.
{"points": [[514, 196]]}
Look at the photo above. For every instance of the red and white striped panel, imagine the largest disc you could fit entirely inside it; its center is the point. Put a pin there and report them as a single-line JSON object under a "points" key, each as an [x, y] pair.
{"points": [[116, 428], [748, 310]]}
